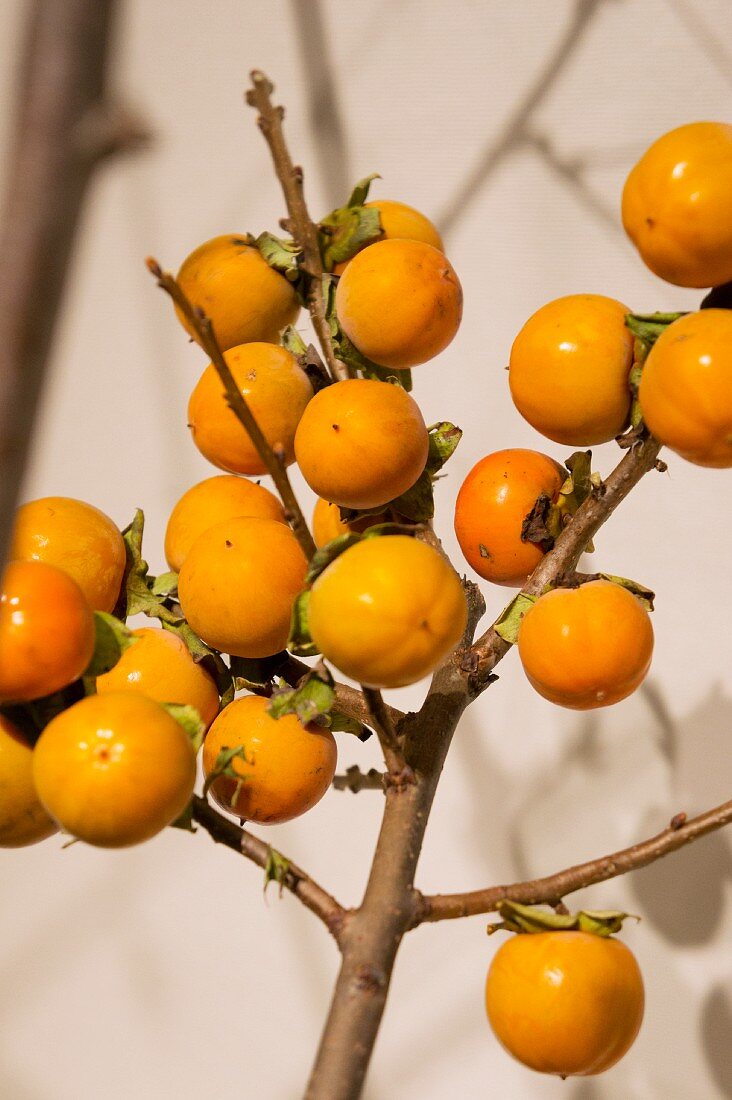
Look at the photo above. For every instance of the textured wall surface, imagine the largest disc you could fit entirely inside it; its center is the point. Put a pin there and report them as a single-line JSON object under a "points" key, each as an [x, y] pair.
{"points": [[160, 972]]}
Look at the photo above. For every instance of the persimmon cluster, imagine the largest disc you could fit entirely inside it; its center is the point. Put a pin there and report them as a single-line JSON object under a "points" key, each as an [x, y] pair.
{"points": [[100, 724]]}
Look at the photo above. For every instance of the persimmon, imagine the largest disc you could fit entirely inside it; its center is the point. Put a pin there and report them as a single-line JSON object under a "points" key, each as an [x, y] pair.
{"points": [[238, 585], [75, 537], [114, 769], [493, 502], [276, 389], [283, 769], [361, 443], [328, 525], [685, 390], [211, 501], [569, 368], [677, 205], [400, 222], [159, 664], [47, 634], [246, 299], [569, 1003], [586, 647], [400, 302], [387, 611], [23, 819]]}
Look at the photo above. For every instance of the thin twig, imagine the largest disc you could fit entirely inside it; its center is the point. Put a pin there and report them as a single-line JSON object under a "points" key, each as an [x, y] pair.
{"points": [[348, 699], [385, 731], [302, 228], [239, 405], [294, 879], [554, 887]]}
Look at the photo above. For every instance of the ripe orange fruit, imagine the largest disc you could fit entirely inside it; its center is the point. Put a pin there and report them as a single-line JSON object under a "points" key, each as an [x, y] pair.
{"points": [[328, 525], [276, 389], [47, 632], [569, 1003], [686, 388], [387, 611], [212, 501], [586, 647], [361, 443], [400, 222], [160, 665], [77, 538], [233, 284], [677, 205], [23, 819], [400, 302], [286, 767], [569, 368], [114, 769], [493, 502], [238, 585]]}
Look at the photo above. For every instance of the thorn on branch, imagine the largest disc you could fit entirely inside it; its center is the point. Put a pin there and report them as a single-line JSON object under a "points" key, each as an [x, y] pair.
{"points": [[661, 466]]}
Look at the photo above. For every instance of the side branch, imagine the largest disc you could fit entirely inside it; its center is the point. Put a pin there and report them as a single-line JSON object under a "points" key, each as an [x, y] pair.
{"points": [[569, 547], [385, 731], [239, 406], [312, 896], [303, 231], [554, 887]]}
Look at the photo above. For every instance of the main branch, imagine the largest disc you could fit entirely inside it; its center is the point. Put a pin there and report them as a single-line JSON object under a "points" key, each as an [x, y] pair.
{"points": [[554, 887], [312, 896], [300, 225]]}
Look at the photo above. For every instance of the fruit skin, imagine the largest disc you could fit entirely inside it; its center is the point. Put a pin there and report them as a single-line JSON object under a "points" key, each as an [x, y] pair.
{"points": [[114, 769], [495, 498], [400, 302], [238, 585], [586, 647], [569, 1003], [47, 632], [211, 501], [23, 819], [686, 388], [569, 368], [400, 222], [361, 443], [275, 388], [288, 766], [328, 525], [160, 666], [75, 537], [677, 205], [387, 611], [233, 284]]}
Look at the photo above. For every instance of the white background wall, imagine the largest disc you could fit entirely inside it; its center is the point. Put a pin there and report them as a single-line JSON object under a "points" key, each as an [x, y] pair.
{"points": [[160, 972]]}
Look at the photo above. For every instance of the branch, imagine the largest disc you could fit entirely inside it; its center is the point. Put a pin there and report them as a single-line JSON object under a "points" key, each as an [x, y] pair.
{"points": [[239, 405], [64, 127], [302, 228], [312, 896], [482, 658], [553, 888]]}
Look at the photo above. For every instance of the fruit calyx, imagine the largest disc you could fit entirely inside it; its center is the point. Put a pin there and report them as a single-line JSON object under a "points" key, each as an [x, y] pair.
{"points": [[532, 919]]}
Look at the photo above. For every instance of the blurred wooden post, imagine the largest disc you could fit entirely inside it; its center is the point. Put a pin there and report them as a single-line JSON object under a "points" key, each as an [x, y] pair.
{"points": [[64, 126]]}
